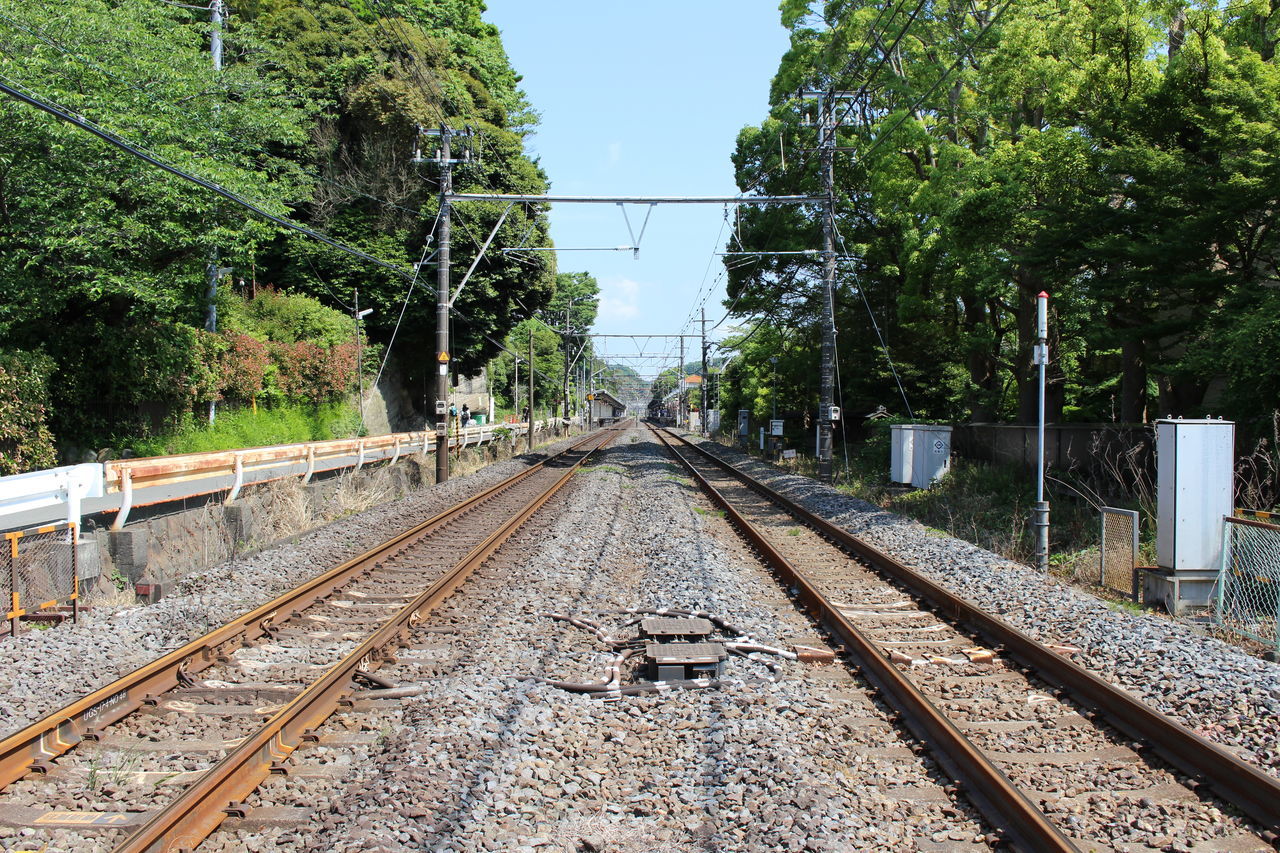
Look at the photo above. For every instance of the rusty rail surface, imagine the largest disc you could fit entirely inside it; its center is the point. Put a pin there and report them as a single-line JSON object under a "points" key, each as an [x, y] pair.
{"points": [[189, 819], [1232, 779], [985, 784], [34, 746]]}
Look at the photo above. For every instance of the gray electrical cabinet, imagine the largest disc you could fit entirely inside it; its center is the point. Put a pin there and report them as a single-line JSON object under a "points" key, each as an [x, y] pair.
{"points": [[1195, 490]]}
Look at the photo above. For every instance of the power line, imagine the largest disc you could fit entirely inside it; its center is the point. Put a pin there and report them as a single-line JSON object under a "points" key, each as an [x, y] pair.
{"points": [[151, 96], [907, 114], [117, 141]]}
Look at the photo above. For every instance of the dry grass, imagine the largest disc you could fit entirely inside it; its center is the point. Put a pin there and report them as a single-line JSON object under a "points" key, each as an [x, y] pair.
{"points": [[284, 509], [358, 493]]}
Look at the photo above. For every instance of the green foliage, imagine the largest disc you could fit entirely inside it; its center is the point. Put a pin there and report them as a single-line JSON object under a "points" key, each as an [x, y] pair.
{"points": [[989, 505], [286, 424], [1118, 155], [314, 116], [558, 332], [25, 441]]}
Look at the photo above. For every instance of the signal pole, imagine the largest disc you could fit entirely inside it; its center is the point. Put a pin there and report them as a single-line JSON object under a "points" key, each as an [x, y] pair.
{"points": [[680, 387], [442, 308], [702, 415], [827, 144], [531, 375]]}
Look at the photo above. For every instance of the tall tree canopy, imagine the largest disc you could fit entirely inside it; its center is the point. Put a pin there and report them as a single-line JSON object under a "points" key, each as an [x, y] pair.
{"points": [[315, 116], [1118, 155]]}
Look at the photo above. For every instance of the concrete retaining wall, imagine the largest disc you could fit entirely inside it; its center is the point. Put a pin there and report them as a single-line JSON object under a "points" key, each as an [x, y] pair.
{"points": [[163, 544]]}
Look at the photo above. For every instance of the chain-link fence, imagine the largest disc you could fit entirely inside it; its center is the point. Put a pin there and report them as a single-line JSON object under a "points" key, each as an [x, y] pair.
{"points": [[1247, 600], [1118, 553], [43, 571]]}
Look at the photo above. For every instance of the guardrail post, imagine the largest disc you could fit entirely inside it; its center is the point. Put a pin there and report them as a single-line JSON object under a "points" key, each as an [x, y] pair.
{"points": [[75, 571], [395, 457], [359, 456], [311, 464], [238, 481], [126, 499]]}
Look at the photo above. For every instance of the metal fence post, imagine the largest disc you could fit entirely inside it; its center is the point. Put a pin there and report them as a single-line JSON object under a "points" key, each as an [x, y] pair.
{"points": [[75, 572], [1224, 568], [15, 614]]}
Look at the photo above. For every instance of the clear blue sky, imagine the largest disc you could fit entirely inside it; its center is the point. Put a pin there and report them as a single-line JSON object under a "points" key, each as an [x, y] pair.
{"points": [[643, 98]]}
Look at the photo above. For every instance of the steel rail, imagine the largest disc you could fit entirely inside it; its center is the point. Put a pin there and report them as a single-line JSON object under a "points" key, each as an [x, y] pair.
{"points": [[188, 820], [992, 792], [32, 747], [1229, 777]]}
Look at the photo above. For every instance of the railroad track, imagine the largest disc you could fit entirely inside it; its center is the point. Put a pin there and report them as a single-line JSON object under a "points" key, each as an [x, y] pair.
{"points": [[1054, 756], [158, 759]]}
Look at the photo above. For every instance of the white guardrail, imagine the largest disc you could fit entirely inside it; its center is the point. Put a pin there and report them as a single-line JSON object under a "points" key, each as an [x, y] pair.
{"points": [[67, 493]]}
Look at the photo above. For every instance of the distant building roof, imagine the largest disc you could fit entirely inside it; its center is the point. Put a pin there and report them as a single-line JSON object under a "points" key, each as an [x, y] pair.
{"points": [[609, 398]]}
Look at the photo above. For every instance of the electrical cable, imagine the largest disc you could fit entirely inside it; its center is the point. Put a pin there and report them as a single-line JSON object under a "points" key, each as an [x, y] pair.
{"points": [[981, 33], [403, 306], [117, 141], [876, 326]]}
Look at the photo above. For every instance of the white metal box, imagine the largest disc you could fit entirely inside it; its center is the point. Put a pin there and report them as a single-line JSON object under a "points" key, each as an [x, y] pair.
{"points": [[1195, 475], [900, 450], [931, 454]]}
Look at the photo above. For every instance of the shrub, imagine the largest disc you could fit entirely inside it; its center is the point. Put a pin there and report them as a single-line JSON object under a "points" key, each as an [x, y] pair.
{"points": [[26, 444], [314, 373], [244, 366]]}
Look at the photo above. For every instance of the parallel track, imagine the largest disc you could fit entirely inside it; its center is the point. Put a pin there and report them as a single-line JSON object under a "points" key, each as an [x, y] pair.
{"points": [[962, 705], [294, 661]]}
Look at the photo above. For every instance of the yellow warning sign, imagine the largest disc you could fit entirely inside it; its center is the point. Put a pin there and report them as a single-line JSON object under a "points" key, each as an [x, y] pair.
{"points": [[443, 357]]}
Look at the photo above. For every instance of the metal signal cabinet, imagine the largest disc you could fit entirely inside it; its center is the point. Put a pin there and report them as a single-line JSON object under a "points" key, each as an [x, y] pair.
{"points": [[1195, 480], [931, 454], [901, 451]]}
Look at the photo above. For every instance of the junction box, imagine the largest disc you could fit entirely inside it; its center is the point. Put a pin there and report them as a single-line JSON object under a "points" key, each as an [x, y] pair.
{"points": [[1195, 479], [677, 649]]}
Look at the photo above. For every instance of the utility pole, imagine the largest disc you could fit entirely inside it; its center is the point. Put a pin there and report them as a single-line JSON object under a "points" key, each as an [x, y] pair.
{"points": [[827, 144], [531, 374], [442, 308], [359, 315], [702, 415], [680, 387], [568, 312], [359, 358], [214, 271]]}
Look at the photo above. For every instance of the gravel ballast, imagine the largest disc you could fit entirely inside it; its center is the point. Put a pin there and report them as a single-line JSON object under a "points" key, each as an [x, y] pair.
{"points": [[1214, 688], [104, 646], [483, 752], [492, 757]]}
